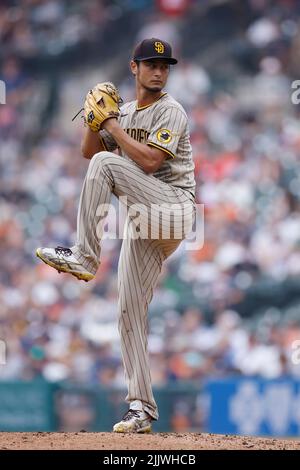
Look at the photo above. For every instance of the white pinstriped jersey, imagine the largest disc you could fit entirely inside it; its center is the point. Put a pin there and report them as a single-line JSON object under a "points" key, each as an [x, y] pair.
{"points": [[164, 125]]}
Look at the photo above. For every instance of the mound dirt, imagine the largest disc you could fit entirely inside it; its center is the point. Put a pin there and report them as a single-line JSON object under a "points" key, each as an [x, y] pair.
{"points": [[156, 441]]}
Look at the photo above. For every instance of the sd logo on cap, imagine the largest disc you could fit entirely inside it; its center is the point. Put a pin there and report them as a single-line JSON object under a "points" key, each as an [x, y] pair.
{"points": [[154, 48]]}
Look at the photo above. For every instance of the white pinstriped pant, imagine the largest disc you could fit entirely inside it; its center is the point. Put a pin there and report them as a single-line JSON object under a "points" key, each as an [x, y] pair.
{"points": [[140, 259]]}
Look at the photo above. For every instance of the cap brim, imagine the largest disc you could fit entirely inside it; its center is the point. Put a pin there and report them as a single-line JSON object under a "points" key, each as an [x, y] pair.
{"points": [[169, 60]]}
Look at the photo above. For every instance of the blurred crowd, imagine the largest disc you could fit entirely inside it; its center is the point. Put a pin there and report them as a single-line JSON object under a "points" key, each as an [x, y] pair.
{"points": [[37, 28], [246, 145]]}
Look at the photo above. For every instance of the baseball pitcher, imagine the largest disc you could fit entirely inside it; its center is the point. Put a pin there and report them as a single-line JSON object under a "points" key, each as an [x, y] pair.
{"points": [[141, 153]]}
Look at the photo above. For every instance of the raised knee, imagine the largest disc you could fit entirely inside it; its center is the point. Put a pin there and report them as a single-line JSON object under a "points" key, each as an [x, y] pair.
{"points": [[102, 158], [100, 164]]}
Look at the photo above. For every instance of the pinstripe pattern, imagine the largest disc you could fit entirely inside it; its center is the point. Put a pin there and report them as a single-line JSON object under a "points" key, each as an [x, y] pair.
{"points": [[135, 293], [140, 259], [165, 113], [164, 125]]}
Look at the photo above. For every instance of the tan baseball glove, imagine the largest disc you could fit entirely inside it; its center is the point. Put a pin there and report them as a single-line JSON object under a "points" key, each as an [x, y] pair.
{"points": [[101, 103]]}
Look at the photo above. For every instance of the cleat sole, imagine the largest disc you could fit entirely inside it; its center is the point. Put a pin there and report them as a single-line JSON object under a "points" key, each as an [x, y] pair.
{"points": [[81, 276], [124, 430]]}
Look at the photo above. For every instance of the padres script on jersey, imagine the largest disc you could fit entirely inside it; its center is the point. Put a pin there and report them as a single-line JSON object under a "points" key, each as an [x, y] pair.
{"points": [[162, 124]]}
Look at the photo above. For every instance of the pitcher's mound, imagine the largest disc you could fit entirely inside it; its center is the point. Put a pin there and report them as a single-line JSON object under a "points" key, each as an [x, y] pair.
{"points": [[158, 441]]}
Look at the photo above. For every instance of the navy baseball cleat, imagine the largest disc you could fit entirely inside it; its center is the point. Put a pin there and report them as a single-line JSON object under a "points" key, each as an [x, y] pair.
{"points": [[63, 260]]}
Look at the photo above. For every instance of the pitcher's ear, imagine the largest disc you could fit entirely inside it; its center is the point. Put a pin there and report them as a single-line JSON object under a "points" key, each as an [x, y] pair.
{"points": [[133, 66]]}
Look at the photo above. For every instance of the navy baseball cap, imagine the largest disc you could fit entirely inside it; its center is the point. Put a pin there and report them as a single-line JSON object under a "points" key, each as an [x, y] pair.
{"points": [[154, 49]]}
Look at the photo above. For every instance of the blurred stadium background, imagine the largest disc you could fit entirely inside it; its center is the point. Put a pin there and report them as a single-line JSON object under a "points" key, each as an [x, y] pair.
{"points": [[224, 319]]}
